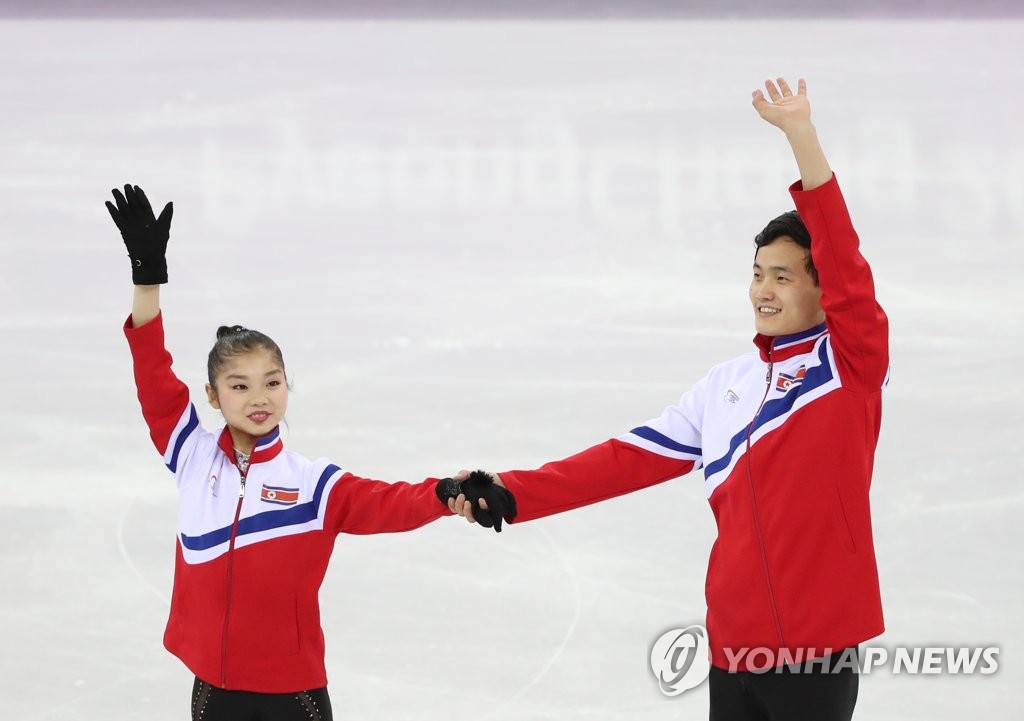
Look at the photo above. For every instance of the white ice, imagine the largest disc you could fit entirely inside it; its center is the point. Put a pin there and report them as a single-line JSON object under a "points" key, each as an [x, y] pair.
{"points": [[493, 244]]}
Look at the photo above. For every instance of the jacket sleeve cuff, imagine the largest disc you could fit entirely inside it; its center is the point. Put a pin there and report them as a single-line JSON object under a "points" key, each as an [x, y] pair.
{"points": [[147, 333], [797, 189]]}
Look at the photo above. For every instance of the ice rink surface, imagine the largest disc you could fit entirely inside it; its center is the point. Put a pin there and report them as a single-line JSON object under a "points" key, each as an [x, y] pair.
{"points": [[494, 244]]}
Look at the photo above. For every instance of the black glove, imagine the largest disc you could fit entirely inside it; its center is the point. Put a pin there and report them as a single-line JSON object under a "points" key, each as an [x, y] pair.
{"points": [[501, 503], [144, 236]]}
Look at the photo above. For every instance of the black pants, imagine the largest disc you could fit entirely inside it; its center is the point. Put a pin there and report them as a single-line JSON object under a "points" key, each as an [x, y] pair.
{"points": [[825, 690], [210, 703]]}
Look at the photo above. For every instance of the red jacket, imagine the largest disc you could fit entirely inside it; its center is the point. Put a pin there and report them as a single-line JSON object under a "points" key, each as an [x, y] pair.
{"points": [[245, 612], [786, 438]]}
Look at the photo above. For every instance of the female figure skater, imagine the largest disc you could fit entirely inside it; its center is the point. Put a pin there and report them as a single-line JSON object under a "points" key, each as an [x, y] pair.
{"points": [[256, 523]]}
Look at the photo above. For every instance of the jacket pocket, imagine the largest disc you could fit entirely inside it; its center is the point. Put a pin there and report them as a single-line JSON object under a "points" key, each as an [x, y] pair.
{"points": [[842, 522], [269, 626]]}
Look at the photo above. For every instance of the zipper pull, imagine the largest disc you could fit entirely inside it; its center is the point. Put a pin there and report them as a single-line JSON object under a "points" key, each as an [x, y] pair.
{"points": [[768, 376], [241, 489]]}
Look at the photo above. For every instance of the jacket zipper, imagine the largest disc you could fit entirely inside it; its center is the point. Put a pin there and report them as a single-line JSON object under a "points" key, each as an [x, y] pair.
{"points": [[757, 515], [231, 558]]}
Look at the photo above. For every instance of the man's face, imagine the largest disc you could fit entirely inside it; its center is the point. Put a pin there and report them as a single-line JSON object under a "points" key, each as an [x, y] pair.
{"points": [[783, 293]]}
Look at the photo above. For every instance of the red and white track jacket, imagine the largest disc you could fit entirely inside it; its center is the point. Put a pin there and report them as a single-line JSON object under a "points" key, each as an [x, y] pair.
{"points": [[786, 438], [251, 557]]}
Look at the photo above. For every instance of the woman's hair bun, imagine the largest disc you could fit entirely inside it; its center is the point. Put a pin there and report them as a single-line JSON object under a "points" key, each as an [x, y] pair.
{"points": [[228, 330]]}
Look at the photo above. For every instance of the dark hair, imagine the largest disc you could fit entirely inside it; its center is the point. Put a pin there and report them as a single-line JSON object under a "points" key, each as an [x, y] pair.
{"points": [[788, 224], [235, 340]]}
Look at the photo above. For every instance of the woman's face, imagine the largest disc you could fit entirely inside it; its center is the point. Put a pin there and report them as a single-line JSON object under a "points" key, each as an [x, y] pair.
{"points": [[252, 393]]}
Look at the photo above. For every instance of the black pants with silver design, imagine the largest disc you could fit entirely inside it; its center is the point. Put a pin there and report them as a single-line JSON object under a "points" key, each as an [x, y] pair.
{"points": [[210, 703]]}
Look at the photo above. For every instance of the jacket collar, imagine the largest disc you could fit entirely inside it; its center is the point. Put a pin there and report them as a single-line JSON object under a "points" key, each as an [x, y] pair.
{"points": [[265, 449], [780, 347]]}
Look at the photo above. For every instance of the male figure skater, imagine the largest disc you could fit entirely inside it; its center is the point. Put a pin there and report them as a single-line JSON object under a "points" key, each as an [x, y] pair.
{"points": [[785, 436]]}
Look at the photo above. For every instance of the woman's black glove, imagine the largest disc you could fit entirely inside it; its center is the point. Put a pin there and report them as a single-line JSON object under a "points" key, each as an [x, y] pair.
{"points": [[144, 235]]}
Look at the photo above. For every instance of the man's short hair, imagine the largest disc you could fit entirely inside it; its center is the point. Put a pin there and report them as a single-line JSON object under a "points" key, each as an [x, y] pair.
{"points": [[788, 224]]}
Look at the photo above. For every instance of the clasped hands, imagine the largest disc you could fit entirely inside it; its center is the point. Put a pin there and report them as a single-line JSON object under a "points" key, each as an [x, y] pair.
{"points": [[479, 497]]}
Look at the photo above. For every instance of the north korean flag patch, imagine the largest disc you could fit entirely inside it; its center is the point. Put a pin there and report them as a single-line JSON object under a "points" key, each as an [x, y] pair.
{"points": [[279, 496], [786, 381]]}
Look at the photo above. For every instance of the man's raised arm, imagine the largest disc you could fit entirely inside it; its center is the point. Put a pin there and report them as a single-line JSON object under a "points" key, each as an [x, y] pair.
{"points": [[858, 326]]}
